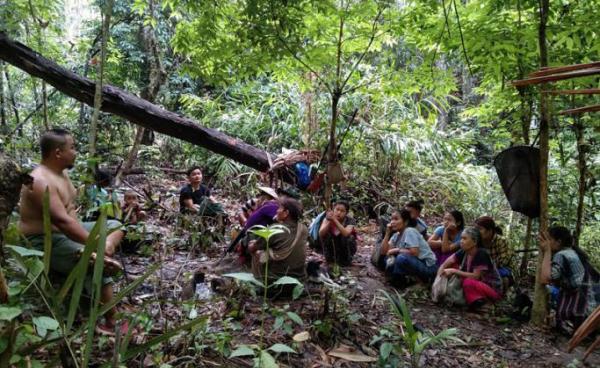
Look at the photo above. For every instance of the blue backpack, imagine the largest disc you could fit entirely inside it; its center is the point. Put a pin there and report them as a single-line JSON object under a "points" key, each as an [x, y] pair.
{"points": [[302, 171], [313, 229]]}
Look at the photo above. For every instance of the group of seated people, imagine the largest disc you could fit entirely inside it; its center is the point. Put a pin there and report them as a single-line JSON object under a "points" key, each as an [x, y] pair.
{"points": [[477, 254]]}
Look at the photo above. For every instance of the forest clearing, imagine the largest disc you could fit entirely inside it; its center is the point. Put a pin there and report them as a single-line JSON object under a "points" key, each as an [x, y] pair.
{"points": [[264, 183]]}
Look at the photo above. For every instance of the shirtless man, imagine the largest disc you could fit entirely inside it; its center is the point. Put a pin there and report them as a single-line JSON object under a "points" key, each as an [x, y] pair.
{"points": [[68, 234]]}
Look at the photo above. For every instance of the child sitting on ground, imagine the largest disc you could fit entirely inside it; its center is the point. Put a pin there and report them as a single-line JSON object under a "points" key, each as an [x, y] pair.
{"points": [[132, 211]]}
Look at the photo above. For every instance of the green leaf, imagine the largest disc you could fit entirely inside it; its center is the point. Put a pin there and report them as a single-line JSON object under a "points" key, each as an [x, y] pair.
{"points": [[298, 289], [287, 280], [25, 252], [246, 277], [8, 313], [282, 348], [266, 360], [3, 344], [296, 318], [242, 350], [43, 324], [385, 350]]}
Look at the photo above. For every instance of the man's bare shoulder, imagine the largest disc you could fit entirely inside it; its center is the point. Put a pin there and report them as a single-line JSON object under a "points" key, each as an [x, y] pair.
{"points": [[42, 178]]}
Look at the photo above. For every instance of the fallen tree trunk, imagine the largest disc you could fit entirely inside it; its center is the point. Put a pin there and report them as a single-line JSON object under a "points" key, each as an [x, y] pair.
{"points": [[131, 107]]}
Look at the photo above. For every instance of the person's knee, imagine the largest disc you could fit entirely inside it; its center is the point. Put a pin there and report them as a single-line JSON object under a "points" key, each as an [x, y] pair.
{"points": [[112, 225], [402, 260]]}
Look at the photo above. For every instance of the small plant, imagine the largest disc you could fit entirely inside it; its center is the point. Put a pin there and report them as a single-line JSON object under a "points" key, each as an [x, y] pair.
{"points": [[414, 340], [265, 359]]}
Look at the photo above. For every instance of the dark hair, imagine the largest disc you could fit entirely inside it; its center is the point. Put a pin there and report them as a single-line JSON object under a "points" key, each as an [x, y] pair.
{"points": [[416, 204], [342, 203], [459, 218], [488, 223], [405, 216], [292, 206], [189, 171], [562, 235], [53, 139], [565, 239], [102, 177]]}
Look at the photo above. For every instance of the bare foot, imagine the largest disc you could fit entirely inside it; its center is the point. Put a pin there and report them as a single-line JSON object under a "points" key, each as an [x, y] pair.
{"points": [[111, 266]]}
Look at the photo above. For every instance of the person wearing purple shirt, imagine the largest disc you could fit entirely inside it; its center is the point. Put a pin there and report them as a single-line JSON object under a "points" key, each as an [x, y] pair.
{"points": [[263, 215]]}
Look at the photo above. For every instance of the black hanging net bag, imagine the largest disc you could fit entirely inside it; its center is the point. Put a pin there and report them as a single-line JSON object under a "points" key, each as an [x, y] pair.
{"points": [[518, 169]]}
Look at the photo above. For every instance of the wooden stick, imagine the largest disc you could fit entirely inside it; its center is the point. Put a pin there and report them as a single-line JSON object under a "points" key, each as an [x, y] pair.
{"points": [[556, 77], [562, 69], [588, 91], [580, 110]]}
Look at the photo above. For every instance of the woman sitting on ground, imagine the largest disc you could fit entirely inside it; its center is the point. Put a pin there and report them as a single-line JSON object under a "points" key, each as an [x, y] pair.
{"points": [[195, 197], [568, 268], [496, 245], [337, 235], [415, 208], [446, 238], [481, 281], [406, 252]]}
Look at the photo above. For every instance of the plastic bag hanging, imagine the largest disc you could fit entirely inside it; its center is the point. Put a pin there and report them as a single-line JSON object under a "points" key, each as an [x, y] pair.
{"points": [[518, 169]]}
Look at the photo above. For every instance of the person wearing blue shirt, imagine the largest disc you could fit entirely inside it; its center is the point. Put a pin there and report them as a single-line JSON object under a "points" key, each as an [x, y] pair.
{"points": [[406, 251]]}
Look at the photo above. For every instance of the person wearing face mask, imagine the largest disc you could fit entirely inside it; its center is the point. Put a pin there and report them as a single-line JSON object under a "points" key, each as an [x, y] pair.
{"points": [[196, 197], [407, 253], [337, 235], [446, 238], [481, 282]]}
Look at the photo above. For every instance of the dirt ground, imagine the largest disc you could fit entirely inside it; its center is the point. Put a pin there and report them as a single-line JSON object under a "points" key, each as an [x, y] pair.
{"points": [[346, 321]]}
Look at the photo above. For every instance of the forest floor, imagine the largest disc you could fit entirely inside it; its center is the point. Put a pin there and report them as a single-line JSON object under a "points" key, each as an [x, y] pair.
{"points": [[343, 326]]}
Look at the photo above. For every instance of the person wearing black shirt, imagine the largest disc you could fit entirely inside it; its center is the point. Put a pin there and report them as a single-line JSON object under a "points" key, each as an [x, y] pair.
{"points": [[196, 198]]}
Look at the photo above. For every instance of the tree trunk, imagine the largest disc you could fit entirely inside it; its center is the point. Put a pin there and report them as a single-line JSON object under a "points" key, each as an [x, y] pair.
{"points": [[13, 102], [540, 301], [3, 125], [130, 107], [581, 165], [526, 112], [156, 78], [525, 259], [100, 78], [310, 115], [11, 180]]}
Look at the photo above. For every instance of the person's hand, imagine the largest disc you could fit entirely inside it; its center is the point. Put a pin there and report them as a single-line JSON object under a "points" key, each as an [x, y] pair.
{"points": [[393, 251], [329, 215], [451, 226], [545, 242], [252, 246], [449, 272], [388, 228]]}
